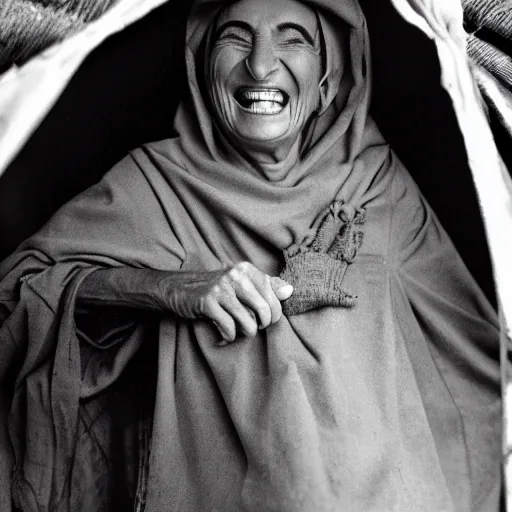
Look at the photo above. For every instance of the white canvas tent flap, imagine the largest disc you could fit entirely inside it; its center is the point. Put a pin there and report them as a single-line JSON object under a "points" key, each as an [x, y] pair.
{"points": [[29, 92], [491, 178]]}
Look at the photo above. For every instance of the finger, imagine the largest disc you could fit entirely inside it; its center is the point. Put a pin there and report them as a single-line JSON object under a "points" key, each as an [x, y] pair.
{"points": [[247, 288], [245, 321], [222, 320], [282, 289], [263, 284]]}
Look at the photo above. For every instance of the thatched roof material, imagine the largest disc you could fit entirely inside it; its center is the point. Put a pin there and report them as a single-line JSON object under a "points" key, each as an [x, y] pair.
{"points": [[29, 26]]}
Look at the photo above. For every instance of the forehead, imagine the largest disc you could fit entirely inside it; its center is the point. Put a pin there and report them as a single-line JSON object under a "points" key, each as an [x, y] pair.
{"points": [[271, 12]]}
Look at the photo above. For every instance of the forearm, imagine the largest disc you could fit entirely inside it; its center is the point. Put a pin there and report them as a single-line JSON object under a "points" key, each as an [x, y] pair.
{"points": [[143, 289]]}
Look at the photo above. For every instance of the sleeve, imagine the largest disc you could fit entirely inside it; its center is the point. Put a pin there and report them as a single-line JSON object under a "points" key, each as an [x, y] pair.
{"points": [[117, 222]]}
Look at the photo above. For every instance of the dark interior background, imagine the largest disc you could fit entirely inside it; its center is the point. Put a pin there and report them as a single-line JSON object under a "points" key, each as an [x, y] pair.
{"points": [[126, 91]]}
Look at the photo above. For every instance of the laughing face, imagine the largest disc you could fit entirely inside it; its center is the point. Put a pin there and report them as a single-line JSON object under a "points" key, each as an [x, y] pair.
{"points": [[264, 73]]}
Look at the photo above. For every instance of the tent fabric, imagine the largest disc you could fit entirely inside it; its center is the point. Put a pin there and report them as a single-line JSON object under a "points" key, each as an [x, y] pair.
{"points": [[29, 92], [492, 181]]}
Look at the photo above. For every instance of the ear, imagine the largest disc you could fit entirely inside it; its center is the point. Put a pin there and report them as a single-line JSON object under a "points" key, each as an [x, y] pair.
{"points": [[326, 96]]}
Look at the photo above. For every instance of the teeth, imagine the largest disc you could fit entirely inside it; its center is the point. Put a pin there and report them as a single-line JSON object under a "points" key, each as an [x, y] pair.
{"points": [[267, 96], [265, 107], [262, 101]]}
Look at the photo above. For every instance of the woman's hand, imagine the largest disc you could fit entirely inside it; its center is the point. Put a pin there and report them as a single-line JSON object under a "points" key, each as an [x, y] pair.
{"points": [[237, 300]]}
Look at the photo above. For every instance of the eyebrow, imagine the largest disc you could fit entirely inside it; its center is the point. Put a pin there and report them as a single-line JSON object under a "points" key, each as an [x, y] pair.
{"points": [[281, 27], [299, 28]]}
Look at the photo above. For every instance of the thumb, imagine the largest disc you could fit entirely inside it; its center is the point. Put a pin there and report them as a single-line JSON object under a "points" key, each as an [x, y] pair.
{"points": [[281, 288]]}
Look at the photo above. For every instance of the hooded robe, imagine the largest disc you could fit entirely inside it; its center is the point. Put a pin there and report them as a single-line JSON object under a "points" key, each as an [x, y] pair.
{"points": [[391, 404]]}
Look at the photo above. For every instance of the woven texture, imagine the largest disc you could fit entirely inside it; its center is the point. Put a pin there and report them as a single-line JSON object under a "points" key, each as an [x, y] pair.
{"points": [[489, 43], [29, 26], [495, 15], [316, 269], [492, 59]]}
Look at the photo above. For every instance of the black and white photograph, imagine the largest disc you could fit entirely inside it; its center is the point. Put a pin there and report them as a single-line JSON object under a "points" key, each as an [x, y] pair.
{"points": [[255, 255]]}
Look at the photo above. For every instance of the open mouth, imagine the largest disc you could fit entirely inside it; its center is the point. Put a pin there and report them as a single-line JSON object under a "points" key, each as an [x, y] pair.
{"points": [[261, 101]]}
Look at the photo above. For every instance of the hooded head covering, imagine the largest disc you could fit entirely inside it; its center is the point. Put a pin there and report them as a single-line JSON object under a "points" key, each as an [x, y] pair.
{"points": [[345, 82], [344, 36]]}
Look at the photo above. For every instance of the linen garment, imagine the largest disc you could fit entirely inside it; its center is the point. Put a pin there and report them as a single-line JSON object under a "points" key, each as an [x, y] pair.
{"points": [[391, 405]]}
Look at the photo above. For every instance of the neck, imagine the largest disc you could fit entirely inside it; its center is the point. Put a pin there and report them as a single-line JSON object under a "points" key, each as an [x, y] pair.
{"points": [[273, 162]]}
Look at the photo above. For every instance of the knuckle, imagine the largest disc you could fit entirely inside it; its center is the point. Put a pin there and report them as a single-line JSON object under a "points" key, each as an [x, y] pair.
{"points": [[224, 285], [215, 291], [245, 283], [244, 268], [206, 304], [233, 273]]}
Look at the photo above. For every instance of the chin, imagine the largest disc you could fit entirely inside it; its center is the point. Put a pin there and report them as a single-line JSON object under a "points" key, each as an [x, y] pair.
{"points": [[264, 136], [270, 129]]}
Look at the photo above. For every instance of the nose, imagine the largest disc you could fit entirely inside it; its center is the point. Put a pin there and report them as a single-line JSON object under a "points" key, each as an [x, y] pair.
{"points": [[262, 61]]}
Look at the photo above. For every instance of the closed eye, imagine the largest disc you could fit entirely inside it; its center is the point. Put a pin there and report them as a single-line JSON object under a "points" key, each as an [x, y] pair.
{"points": [[234, 30], [296, 33], [293, 41], [290, 37]]}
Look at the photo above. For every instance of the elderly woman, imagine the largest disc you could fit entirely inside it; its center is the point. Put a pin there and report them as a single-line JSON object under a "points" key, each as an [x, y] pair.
{"points": [[321, 345]]}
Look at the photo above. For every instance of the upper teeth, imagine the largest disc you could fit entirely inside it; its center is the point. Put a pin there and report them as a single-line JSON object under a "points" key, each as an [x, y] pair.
{"points": [[276, 96]]}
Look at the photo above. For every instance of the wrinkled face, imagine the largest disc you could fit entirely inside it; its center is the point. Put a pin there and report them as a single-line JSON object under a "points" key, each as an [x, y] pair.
{"points": [[264, 71]]}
